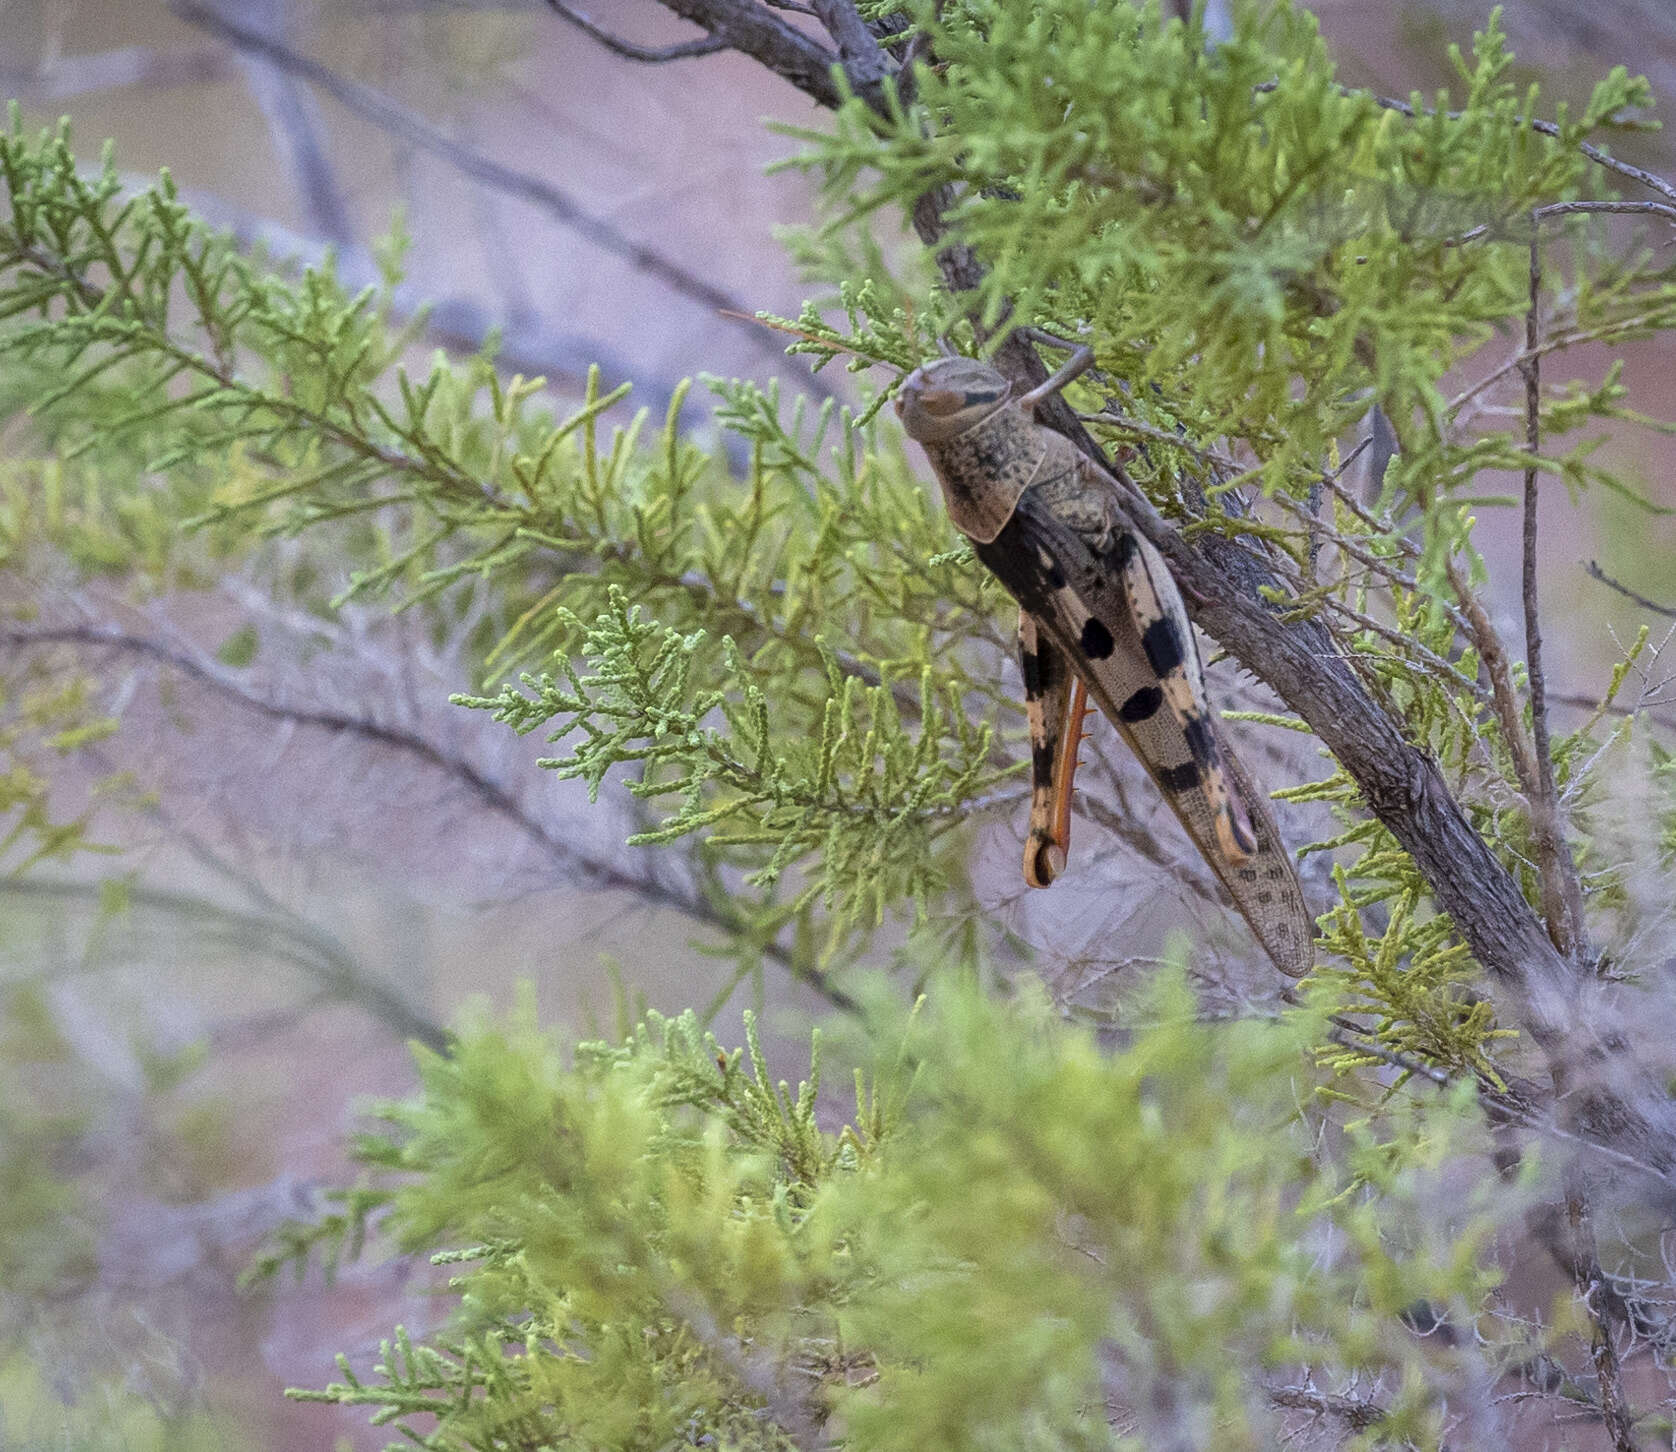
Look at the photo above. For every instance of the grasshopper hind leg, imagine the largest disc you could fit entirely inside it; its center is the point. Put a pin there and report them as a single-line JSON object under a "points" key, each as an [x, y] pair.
{"points": [[1055, 703]]}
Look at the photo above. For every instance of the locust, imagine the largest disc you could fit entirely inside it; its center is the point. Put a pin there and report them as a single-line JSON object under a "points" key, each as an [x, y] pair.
{"points": [[1100, 616]]}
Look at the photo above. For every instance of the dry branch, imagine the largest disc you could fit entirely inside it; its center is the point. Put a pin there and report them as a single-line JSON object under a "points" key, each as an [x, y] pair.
{"points": [[579, 864], [1562, 893], [1602, 1097], [413, 129], [1595, 572], [282, 935], [629, 50]]}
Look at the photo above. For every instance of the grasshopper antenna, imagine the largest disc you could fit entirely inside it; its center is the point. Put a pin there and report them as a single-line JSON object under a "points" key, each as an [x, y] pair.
{"points": [[1080, 361]]}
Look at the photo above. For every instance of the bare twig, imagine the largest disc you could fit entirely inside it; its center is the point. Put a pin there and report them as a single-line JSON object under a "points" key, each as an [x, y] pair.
{"points": [[284, 935], [1562, 894], [1604, 1307], [1354, 1412], [1136, 835], [755, 31], [1626, 209], [1348, 1036], [629, 50], [563, 850], [1571, 209], [70, 76], [1597, 573], [758, 1374], [1409, 649], [1484, 635], [1548, 128], [1593, 704], [418, 132], [1555, 341], [293, 118]]}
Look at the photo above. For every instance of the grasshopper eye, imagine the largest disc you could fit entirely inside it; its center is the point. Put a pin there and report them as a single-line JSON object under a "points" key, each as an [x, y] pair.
{"points": [[941, 402]]}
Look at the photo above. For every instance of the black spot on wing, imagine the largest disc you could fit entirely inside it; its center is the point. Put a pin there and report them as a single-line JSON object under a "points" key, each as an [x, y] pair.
{"points": [[1163, 645], [1201, 740], [1097, 642], [1041, 760], [1127, 549], [1143, 705], [1031, 665], [1181, 778], [1240, 825]]}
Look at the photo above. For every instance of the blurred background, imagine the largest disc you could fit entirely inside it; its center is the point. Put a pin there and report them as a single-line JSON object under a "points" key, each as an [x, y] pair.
{"points": [[296, 890]]}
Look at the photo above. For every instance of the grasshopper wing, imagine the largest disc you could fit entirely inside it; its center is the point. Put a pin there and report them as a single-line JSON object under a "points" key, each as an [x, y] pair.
{"points": [[1079, 601], [1166, 636]]}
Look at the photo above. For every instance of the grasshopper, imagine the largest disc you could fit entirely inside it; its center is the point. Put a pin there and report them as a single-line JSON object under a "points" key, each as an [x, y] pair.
{"points": [[1100, 614]]}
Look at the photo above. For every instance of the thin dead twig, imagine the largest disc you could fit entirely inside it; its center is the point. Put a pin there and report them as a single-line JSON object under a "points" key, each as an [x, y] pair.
{"points": [[1355, 1412], [1581, 702], [1572, 209], [286, 936], [413, 129], [1562, 893], [798, 1423], [1484, 635], [92, 72], [1604, 1307], [1408, 650], [1595, 572], [599, 874], [1548, 128], [630, 50]]}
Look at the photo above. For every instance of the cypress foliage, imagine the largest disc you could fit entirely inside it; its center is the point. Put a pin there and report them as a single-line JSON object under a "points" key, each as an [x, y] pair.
{"points": [[1018, 1238]]}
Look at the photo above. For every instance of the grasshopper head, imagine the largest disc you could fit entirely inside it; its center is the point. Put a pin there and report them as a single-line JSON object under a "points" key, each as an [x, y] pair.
{"points": [[944, 398]]}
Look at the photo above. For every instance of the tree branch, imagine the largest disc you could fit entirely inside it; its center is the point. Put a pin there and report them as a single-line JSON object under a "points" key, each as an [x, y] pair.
{"points": [[1605, 1307], [70, 76], [285, 935], [864, 61], [1548, 128], [1354, 1412], [293, 119], [418, 132], [1597, 573], [564, 851], [651, 55], [1562, 893], [751, 30]]}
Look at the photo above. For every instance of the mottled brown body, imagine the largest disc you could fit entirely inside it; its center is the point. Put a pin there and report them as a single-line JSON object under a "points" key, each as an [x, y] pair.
{"points": [[1098, 601]]}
